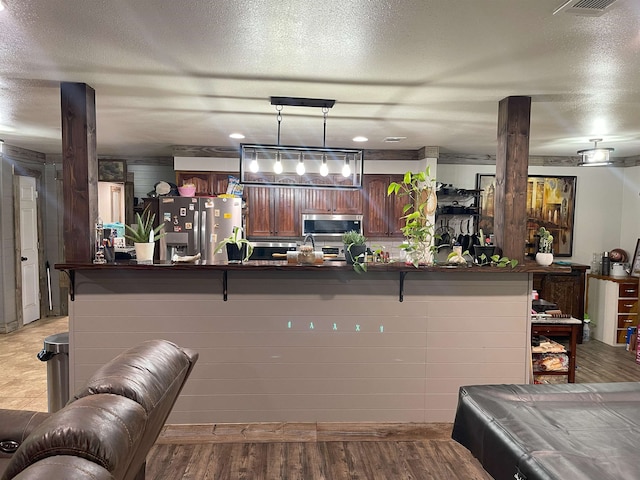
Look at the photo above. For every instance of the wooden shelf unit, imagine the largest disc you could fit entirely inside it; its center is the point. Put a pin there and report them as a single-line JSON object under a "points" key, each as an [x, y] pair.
{"points": [[560, 327], [612, 304]]}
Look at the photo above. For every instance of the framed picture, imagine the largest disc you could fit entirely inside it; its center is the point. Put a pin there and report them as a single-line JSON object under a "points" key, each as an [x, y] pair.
{"points": [[550, 204], [635, 261], [112, 171]]}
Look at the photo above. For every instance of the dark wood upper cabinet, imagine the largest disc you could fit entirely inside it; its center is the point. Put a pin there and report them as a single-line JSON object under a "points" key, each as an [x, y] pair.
{"points": [[272, 211], [382, 213], [332, 200], [202, 181], [207, 183]]}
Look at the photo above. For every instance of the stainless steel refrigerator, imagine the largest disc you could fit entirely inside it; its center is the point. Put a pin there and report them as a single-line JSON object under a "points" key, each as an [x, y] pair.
{"points": [[219, 216], [196, 225]]}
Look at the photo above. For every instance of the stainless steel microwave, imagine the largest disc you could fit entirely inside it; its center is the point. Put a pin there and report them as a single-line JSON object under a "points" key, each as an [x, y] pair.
{"points": [[328, 225]]}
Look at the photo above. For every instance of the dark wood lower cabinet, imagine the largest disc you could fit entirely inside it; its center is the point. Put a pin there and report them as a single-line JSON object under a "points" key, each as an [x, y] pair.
{"points": [[567, 290]]}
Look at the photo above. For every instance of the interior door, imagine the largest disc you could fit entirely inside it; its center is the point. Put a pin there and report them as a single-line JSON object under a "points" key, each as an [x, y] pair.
{"points": [[29, 249]]}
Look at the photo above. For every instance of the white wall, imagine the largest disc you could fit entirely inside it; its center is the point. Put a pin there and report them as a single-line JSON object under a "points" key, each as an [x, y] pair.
{"points": [[630, 219], [599, 204]]}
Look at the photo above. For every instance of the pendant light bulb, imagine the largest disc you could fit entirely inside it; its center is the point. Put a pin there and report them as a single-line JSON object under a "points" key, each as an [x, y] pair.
{"points": [[324, 169], [300, 167], [253, 166], [277, 167], [346, 169]]}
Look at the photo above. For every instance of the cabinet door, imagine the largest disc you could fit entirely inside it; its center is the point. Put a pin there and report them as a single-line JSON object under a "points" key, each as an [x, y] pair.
{"points": [[395, 205], [318, 200], [347, 201], [260, 215], [220, 181], [202, 180], [376, 215], [259, 211], [286, 212]]}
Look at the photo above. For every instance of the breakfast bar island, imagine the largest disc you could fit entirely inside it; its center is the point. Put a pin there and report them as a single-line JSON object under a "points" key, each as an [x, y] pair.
{"points": [[318, 343]]}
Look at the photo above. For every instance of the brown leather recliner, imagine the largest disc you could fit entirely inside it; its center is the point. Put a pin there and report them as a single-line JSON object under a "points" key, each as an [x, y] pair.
{"points": [[108, 427]]}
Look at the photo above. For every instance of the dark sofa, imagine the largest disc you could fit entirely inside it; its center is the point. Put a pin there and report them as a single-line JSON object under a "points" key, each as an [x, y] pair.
{"points": [[107, 428]]}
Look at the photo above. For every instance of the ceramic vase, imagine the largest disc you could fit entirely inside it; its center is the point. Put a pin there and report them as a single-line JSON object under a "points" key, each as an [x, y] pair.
{"points": [[544, 259], [144, 252]]}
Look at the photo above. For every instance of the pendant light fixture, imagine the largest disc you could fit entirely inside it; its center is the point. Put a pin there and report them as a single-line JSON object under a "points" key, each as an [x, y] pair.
{"points": [[301, 165], [324, 168], [596, 156], [277, 167]]}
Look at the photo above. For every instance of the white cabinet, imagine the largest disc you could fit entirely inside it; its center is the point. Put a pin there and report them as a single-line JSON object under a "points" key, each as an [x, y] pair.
{"points": [[612, 303]]}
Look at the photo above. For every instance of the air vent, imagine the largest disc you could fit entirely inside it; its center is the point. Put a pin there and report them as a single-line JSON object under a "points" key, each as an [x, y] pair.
{"points": [[394, 139], [589, 8]]}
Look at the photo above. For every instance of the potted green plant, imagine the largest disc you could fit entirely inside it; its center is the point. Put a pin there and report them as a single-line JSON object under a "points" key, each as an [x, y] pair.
{"points": [[483, 251], [355, 246], [239, 249], [419, 191], [144, 235], [544, 256]]}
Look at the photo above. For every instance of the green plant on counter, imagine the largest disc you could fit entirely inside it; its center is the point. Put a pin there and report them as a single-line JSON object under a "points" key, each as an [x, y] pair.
{"points": [[497, 261], [419, 190], [144, 231], [352, 237], [236, 238], [360, 263], [545, 245]]}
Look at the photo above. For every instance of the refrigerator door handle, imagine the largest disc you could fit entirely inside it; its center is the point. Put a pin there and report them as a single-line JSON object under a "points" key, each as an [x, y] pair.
{"points": [[196, 230]]}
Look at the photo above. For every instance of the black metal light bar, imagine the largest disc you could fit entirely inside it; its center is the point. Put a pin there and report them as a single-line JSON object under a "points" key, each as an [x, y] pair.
{"points": [[302, 102]]}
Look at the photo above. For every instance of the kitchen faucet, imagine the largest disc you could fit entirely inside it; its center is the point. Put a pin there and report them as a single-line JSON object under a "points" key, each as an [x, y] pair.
{"points": [[313, 242]]}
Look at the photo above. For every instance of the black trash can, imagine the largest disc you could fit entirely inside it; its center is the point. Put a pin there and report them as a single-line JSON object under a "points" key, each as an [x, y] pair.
{"points": [[56, 354]]}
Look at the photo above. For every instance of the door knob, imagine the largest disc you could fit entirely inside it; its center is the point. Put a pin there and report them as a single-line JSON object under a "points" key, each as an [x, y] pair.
{"points": [[24, 259]]}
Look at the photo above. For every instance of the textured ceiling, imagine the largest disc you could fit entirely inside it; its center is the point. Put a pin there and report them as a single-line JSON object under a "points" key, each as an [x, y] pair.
{"points": [[191, 72]]}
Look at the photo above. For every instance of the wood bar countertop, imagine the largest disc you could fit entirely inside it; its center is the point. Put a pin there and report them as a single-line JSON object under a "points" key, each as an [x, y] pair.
{"points": [[527, 267]]}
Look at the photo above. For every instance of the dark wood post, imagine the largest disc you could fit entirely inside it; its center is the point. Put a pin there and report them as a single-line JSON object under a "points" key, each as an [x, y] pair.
{"points": [[79, 170], [512, 162]]}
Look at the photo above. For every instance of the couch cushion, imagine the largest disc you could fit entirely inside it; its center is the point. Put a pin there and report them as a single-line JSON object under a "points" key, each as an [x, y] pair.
{"points": [[143, 373], [64, 467], [103, 428]]}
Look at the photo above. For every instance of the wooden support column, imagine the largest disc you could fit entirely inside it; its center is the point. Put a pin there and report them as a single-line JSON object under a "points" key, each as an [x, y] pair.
{"points": [[79, 169], [512, 162]]}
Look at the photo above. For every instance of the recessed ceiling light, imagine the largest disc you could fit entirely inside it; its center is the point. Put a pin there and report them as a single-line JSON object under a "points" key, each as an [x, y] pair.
{"points": [[360, 138], [3, 5], [238, 136], [394, 139]]}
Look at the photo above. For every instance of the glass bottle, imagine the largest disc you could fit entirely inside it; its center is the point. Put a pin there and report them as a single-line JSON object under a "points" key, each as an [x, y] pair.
{"points": [[99, 243], [595, 264]]}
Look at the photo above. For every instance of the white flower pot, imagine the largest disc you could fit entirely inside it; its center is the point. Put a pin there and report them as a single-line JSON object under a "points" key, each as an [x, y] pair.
{"points": [[144, 252], [544, 259]]}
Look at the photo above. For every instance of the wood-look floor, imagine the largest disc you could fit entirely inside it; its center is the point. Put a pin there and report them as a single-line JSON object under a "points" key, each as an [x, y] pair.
{"points": [[187, 453]]}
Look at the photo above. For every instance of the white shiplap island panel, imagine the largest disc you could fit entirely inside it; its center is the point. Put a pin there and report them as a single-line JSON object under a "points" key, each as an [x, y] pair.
{"points": [[307, 346]]}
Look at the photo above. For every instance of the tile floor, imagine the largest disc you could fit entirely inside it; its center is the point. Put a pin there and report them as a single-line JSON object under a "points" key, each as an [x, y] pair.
{"points": [[23, 378]]}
